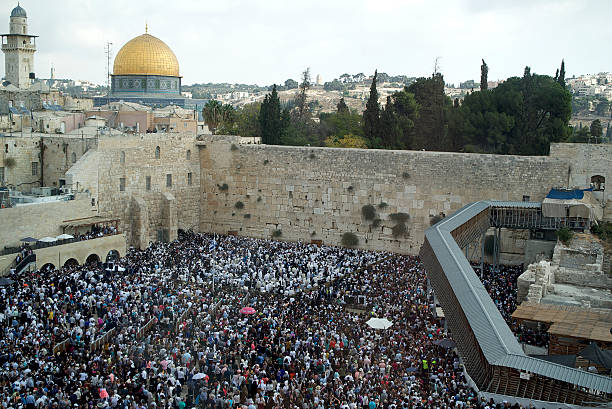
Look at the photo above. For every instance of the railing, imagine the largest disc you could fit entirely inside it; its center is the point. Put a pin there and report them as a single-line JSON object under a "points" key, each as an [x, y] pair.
{"points": [[31, 258], [146, 328], [61, 347], [180, 320], [102, 340], [42, 245]]}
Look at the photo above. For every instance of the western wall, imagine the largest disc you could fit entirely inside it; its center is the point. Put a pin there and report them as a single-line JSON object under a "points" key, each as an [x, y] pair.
{"points": [[306, 193], [220, 184]]}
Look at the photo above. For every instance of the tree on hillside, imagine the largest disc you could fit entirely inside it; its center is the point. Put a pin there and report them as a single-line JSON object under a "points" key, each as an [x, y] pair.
{"points": [[291, 84], [342, 107], [484, 72], [390, 130], [302, 106], [405, 110], [347, 141], [430, 128], [270, 119], [371, 116], [561, 78], [520, 116], [216, 114], [596, 130]]}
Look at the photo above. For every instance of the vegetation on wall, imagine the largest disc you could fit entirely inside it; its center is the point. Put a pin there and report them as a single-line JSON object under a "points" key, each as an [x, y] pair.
{"points": [[603, 231], [368, 212], [400, 228], [564, 235], [349, 239], [277, 234], [223, 187], [239, 205]]}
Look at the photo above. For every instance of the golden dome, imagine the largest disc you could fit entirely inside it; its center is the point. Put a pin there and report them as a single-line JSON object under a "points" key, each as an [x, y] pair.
{"points": [[146, 54]]}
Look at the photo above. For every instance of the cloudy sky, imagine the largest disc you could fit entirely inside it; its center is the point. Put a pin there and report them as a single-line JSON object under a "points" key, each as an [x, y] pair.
{"points": [[266, 41]]}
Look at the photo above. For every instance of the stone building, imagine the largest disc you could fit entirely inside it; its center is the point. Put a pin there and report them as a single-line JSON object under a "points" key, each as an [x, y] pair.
{"points": [[19, 48]]}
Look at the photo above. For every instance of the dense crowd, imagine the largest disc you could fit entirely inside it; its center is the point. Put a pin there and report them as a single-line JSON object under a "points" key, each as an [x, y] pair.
{"points": [[501, 284], [302, 346], [97, 231]]}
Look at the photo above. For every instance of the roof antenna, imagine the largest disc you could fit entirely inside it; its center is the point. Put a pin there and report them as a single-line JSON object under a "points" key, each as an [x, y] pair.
{"points": [[146, 27]]}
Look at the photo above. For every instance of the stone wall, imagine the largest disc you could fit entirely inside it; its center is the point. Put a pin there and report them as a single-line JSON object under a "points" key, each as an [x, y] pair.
{"points": [[167, 208], [587, 160], [57, 157], [60, 153], [39, 220], [318, 193], [24, 151]]}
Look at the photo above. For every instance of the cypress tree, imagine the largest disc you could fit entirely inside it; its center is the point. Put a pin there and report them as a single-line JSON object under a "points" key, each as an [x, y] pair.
{"points": [[484, 72], [342, 107], [561, 78], [371, 116], [270, 119]]}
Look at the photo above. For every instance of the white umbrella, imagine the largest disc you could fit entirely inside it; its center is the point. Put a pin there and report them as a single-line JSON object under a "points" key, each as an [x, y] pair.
{"points": [[48, 239], [64, 237], [198, 376], [379, 323]]}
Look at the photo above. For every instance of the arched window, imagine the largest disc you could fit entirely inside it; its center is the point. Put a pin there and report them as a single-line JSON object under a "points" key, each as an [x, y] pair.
{"points": [[598, 182], [122, 157], [157, 152], [73, 157], [188, 154]]}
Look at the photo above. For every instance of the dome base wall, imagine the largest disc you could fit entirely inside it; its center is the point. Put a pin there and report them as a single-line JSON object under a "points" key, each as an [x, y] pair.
{"points": [[157, 86]]}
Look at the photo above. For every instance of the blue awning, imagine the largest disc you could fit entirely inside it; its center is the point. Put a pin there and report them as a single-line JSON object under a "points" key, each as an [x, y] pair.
{"points": [[567, 194]]}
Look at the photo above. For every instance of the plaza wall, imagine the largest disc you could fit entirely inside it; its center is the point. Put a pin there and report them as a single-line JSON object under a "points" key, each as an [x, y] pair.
{"points": [[39, 220], [81, 250], [318, 193]]}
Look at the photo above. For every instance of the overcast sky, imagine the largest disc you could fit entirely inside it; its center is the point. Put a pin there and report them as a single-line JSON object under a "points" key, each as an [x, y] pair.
{"points": [[266, 41]]}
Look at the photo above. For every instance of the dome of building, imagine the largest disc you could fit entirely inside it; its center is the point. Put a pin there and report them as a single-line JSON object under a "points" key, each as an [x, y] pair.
{"points": [[146, 55], [18, 12]]}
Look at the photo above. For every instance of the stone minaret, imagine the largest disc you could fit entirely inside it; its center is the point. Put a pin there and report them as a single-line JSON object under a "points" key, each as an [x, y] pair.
{"points": [[19, 48]]}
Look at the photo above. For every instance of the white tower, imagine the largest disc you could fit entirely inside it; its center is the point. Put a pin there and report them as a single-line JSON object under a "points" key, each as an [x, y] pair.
{"points": [[19, 48]]}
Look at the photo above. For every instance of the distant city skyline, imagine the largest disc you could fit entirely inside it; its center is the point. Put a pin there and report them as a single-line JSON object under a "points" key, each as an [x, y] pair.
{"points": [[268, 41]]}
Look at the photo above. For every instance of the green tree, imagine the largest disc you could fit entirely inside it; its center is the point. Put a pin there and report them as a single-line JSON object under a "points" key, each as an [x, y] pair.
{"points": [[247, 120], [270, 121], [430, 127], [561, 78], [596, 130], [217, 115], [390, 129], [399, 118], [342, 107], [484, 72], [582, 135], [291, 84], [301, 98], [347, 141], [341, 123], [371, 116]]}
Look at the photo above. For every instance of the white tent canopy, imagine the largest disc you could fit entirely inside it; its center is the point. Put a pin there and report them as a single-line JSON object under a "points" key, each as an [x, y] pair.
{"points": [[379, 323]]}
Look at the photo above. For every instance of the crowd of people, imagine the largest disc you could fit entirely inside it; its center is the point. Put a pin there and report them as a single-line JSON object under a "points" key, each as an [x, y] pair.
{"points": [[501, 284], [178, 340], [97, 231]]}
